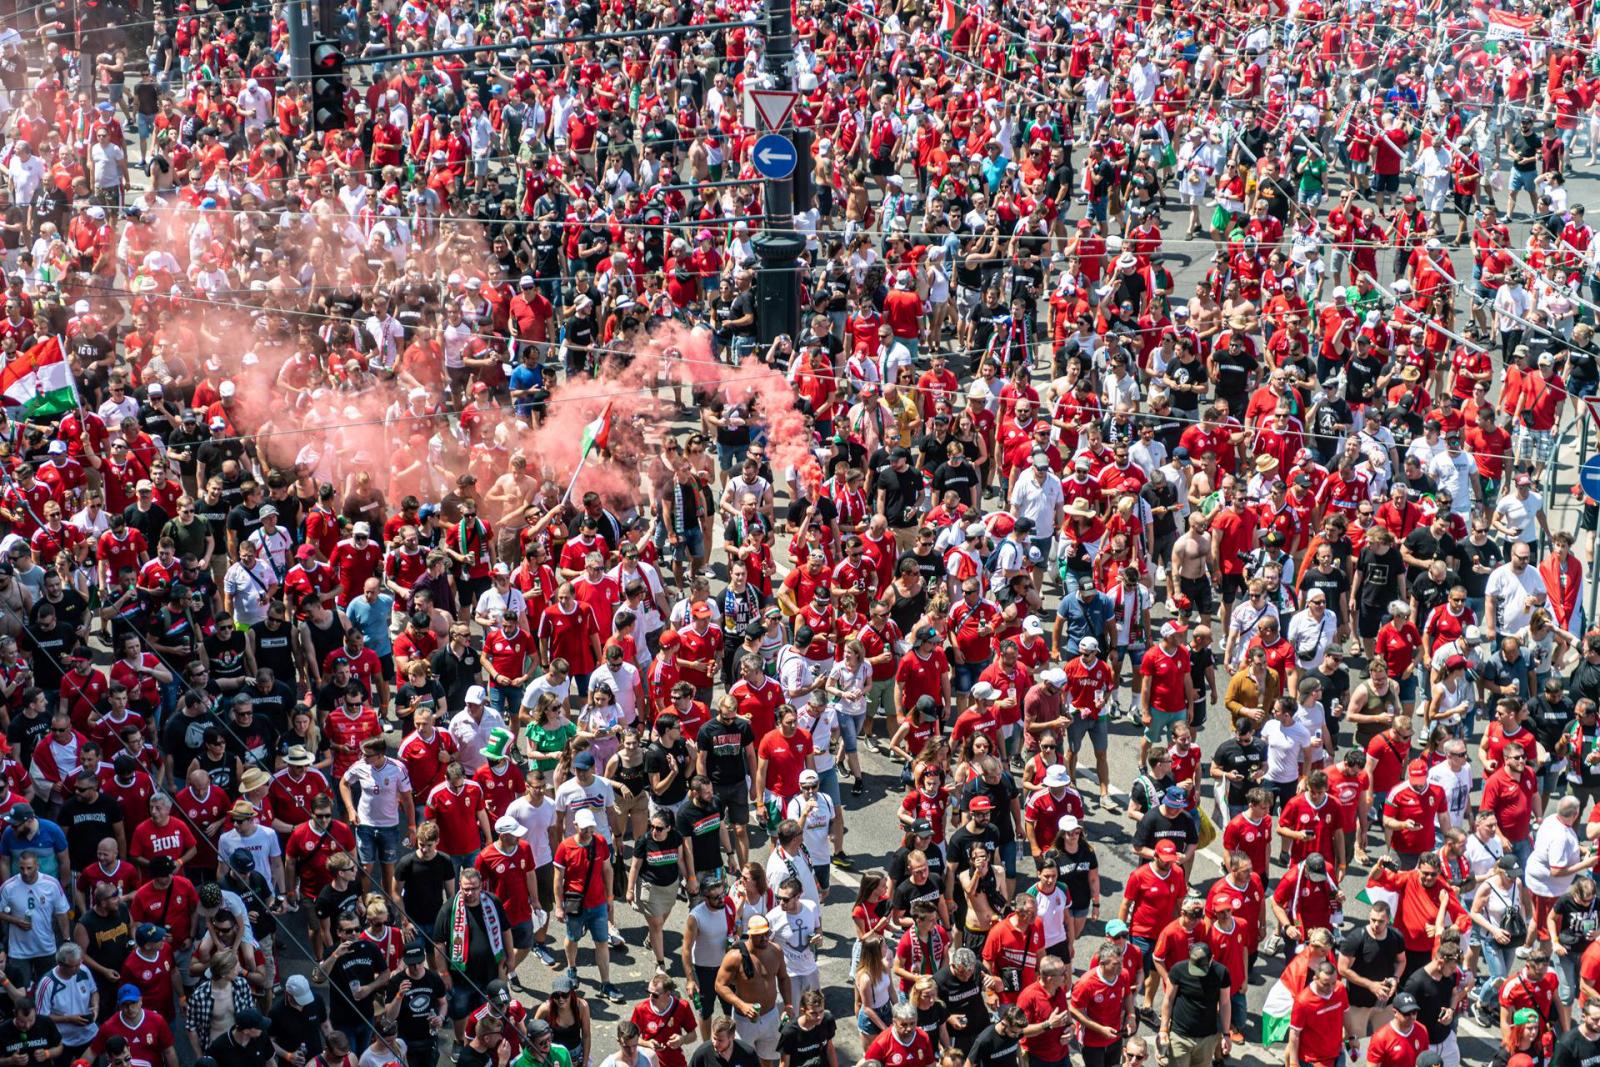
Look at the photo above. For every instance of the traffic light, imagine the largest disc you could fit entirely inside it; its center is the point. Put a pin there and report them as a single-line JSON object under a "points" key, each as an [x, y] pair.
{"points": [[327, 87]]}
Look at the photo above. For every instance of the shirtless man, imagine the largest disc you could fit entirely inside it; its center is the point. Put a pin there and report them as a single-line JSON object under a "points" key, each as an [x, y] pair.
{"points": [[507, 500], [1192, 572], [755, 981]]}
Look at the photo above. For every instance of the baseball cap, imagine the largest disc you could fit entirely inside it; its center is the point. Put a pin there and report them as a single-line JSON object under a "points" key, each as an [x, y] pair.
{"points": [[1116, 928], [477, 695], [584, 818], [1173, 628], [299, 990], [1405, 1004], [583, 761], [1166, 850], [1316, 867], [1417, 768], [921, 827], [1068, 823], [981, 802], [128, 994], [505, 824]]}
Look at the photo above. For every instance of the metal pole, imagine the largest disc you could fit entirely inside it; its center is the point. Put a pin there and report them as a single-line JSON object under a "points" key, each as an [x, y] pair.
{"points": [[299, 19], [778, 246]]}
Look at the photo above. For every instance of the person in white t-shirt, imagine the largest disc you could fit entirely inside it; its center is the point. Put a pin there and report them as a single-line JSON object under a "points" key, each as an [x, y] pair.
{"points": [[1454, 775], [820, 823], [536, 812]]}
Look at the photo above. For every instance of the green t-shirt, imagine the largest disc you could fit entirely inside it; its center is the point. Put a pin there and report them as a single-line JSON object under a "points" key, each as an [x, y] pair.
{"points": [[547, 744], [1312, 178], [559, 1057]]}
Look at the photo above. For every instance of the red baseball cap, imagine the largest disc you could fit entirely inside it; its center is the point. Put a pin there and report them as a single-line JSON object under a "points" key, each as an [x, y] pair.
{"points": [[1166, 850], [1417, 768]]}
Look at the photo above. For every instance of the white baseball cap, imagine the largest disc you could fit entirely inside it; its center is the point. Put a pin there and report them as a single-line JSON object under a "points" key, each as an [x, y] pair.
{"points": [[505, 824], [477, 695]]}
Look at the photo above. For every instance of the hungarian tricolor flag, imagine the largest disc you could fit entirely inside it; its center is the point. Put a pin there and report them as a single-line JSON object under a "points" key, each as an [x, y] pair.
{"points": [[1506, 25], [597, 433], [39, 381]]}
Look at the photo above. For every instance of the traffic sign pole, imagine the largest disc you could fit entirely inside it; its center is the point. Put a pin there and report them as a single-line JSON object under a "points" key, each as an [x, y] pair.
{"points": [[777, 245]]}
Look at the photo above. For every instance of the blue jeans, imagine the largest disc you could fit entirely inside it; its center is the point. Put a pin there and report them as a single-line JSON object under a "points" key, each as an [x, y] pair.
{"points": [[849, 730], [1499, 959], [592, 921], [1522, 850], [1008, 856], [828, 781]]}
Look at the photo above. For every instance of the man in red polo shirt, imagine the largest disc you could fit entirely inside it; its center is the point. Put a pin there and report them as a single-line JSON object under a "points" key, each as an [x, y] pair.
{"points": [[1046, 1003], [1509, 792], [1102, 1001], [1150, 900], [1319, 1022], [1013, 948]]}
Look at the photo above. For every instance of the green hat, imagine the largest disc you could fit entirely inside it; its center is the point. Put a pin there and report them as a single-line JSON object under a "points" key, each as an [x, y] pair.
{"points": [[495, 747], [1525, 1017]]}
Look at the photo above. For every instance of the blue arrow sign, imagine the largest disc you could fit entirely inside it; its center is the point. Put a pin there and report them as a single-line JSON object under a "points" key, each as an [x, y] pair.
{"points": [[1589, 477], [775, 157]]}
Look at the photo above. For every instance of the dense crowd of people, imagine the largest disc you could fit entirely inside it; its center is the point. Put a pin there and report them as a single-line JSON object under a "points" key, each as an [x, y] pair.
{"points": [[351, 713]]}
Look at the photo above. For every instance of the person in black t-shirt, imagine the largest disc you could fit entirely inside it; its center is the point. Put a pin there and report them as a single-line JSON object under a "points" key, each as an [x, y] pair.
{"points": [[28, 1032], [960, 984], [426, 878], [415, 1001], [1371, 961], [807, 1040], [1000, 1043], [703, 823], [29, 725], [295, 1022], [1240, 761], [88, 817], [356, 971], [1578, 1047], [668, 764], [899, 490], [1197, 1009], [1438, 987]]}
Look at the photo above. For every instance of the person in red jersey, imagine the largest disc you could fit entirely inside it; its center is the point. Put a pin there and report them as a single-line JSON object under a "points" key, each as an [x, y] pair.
{"points": [[1012, 950], [310, 846], [1312, 822], [1150, 900], [1402, 1039], [167, 900], [1413, 813], [904, 1044], [457, 806], [507, 867], [426, 752], [162, 834], [780, 757], [666, 1022], [1046, 1012], [1319, 1021], [150, 966], [355, 561], [1251, 831], [147, 1034], [1102, 1005], [296, 787]]}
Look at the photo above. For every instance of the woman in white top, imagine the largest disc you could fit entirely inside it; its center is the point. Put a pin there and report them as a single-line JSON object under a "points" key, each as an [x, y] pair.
{"points": [[847, 684], [599, 722], [1500, 895], [874, 987], [1053, 908]]}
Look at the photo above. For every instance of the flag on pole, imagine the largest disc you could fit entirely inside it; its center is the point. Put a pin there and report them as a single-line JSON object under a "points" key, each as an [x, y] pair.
{"points": [[1504, 26], [39, 380], [597, 433]]}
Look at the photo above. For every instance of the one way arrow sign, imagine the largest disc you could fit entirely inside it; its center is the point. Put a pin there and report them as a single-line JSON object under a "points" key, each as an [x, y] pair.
{"points": [[773, 106]]}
